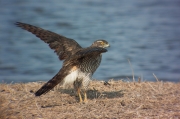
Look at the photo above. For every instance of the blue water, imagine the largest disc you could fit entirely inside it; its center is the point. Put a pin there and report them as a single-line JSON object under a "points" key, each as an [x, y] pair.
{"points": [[145, 32]]}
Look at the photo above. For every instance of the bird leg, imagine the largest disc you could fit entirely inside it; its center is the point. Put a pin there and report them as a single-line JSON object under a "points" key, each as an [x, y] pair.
{"points": [[79, 94], [85, 96]]}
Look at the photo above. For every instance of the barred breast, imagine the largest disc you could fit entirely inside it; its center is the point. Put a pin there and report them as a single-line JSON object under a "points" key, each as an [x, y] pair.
{"points": [[90, 64]]}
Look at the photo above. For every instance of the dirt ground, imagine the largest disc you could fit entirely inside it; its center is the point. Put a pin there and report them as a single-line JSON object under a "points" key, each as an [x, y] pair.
{"points": [[124, 100]]}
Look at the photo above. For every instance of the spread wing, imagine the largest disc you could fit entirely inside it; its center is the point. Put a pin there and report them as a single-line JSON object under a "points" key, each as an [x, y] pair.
{"points": [[86, 53], [64, 47]]}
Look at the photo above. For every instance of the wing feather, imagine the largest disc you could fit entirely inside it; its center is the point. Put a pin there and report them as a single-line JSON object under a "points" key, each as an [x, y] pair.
{"points": [[64, 47], [91, 52]]}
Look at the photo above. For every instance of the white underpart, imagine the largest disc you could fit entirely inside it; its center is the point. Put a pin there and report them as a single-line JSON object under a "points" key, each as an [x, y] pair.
{"points": [[86, 77], [69, 79]]}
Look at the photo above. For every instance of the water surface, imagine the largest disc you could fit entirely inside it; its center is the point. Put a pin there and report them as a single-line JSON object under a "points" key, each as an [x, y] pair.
{"points": [[145, 32]]}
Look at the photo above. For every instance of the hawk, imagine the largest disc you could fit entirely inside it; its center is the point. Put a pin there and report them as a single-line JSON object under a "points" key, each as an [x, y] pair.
{"points": [[79, 63]]}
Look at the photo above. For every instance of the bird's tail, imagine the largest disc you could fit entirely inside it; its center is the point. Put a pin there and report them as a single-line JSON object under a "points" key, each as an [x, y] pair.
{"points": [[50, 84]]}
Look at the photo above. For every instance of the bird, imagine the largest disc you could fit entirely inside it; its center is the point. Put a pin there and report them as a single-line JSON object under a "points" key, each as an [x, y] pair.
{"points": [[79, 64]]}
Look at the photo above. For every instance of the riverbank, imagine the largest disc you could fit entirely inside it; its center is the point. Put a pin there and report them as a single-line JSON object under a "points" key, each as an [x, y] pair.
{"points": [[117, 100]]}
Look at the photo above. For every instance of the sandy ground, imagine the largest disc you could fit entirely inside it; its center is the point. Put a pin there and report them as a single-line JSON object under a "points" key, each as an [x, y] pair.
{"points": [[125, 100]]}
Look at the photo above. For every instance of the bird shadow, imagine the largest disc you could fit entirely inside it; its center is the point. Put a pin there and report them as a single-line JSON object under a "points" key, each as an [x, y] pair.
{"points": [[95, 94], [91, 93]]}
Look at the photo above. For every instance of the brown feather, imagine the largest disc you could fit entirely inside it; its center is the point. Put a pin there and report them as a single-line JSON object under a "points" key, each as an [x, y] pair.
{"points": [[64, 47], [90, 52], [54, 81]]}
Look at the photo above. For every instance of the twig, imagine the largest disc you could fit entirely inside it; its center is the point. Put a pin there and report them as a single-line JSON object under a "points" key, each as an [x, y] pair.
{"points": [[152, 87], [38, 108], [131, 70], [156, 77], [128, 78]]}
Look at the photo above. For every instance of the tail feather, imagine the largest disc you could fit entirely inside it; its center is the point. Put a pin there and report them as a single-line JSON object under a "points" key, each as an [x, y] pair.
{"points": [[49, 85]]}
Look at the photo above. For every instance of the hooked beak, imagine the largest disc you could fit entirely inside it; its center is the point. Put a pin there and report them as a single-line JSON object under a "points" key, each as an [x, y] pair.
{"points": [[107, 45]]}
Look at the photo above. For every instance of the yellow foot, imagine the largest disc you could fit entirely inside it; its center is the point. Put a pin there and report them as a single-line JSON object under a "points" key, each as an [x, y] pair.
{"points": [[80, 101], [85, 97], [79, 94]]}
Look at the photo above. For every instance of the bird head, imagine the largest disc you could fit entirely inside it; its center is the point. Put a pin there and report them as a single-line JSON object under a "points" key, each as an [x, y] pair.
{"points": [[101, 43]]}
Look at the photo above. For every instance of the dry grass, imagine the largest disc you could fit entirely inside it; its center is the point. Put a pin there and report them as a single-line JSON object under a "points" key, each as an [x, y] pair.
{"points": [[118, 100]]}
